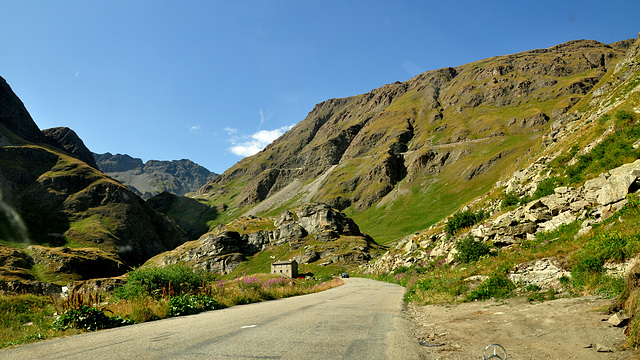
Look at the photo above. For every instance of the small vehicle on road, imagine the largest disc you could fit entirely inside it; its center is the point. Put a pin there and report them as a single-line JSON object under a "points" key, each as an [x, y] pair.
{"points": [[344, 275]]}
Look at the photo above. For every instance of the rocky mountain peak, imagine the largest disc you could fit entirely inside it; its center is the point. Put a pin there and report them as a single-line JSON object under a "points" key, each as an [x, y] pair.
{"points": [[154, 177], [67, 140]]}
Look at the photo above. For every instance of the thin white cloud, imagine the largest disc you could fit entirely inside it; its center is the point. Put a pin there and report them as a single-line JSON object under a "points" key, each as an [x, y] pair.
{"points": [[195, 128], [230, 130], [264, 117], [253, 144]]}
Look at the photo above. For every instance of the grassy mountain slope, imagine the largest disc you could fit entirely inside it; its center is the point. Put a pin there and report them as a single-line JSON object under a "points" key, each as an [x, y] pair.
{"points": [[403, 156]]}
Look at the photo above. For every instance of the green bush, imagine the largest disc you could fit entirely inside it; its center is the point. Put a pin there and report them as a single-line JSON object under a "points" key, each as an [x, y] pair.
{"points": [[624, 117], [140, 314], [588, 264], [470, 250], [509, 199], [165, 281], [496, 286], [546, 187], [88, 318], [188, 304], [463, 219]]}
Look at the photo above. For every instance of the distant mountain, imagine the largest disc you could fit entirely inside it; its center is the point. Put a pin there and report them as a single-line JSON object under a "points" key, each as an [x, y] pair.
{"points": [[148, 179], [78, 222]]}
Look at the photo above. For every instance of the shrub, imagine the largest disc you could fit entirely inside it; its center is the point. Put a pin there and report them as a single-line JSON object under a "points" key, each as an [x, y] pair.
{"points": [[463, 219], [165, 281], [470, 250], [140, 314], [546, 187], [88, 318], [624, 117], [588, 264], [78, 311], [509, 199], [188, 304], [496, 286]]}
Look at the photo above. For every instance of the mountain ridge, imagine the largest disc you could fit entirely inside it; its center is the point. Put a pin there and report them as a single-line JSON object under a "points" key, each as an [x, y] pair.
{"points": [[461, 126], [153, 177]]}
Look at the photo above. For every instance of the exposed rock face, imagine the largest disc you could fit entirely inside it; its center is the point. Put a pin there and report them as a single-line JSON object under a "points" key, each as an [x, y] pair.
{"points": [[316, 232], [544, 273], [153, 177]]}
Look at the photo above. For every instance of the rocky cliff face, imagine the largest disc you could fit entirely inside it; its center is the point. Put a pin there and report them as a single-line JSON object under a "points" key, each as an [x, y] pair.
{"points": [[153, 177], [51, 197], [315, 233], [384, 153]]}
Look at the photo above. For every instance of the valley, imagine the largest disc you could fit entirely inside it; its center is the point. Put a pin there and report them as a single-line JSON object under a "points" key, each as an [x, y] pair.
{"points": [[513, 176]]}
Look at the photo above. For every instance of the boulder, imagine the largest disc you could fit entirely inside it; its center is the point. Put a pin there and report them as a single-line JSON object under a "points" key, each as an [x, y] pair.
{"points": [[632, 169], [410, 247], [505, 220], [562, 219], [615, 189], [579, 205], [521, 230], [591, 187], [503, 241], [555, 203], [619, 319]]}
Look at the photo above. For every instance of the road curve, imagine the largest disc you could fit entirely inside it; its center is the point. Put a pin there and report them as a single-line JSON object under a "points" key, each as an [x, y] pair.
{"points": [[359, 320]]}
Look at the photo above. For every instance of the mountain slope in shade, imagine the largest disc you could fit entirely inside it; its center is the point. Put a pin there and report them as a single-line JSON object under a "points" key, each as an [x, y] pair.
{"points": [[51, 197]]}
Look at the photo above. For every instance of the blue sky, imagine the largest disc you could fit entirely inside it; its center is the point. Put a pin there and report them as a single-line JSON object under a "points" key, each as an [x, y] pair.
{"points": [[213, 81]]}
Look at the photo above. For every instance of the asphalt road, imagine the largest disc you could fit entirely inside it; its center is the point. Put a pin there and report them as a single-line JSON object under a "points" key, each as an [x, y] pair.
{"points": [[359, 320]]}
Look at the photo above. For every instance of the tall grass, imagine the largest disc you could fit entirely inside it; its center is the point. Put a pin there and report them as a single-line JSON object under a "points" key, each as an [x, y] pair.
{"points": [[150, 294]]}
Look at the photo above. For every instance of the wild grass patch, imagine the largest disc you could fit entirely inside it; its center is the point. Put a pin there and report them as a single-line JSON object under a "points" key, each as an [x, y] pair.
{"points": [[150, 294]]}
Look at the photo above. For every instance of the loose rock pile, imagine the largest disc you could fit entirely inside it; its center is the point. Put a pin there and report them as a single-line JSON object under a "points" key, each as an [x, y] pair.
{"points": [[594, 202]]}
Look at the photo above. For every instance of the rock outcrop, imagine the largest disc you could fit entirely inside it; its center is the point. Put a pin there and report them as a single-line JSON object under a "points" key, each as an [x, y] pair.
{"points": [[313, 233]]}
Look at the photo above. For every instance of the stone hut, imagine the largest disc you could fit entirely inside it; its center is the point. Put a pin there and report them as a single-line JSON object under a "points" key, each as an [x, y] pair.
{"points": [[285, 268]]}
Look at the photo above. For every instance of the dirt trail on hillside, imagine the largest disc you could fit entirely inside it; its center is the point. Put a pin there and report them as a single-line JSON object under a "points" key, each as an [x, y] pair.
{"points": [[571, 328]]}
